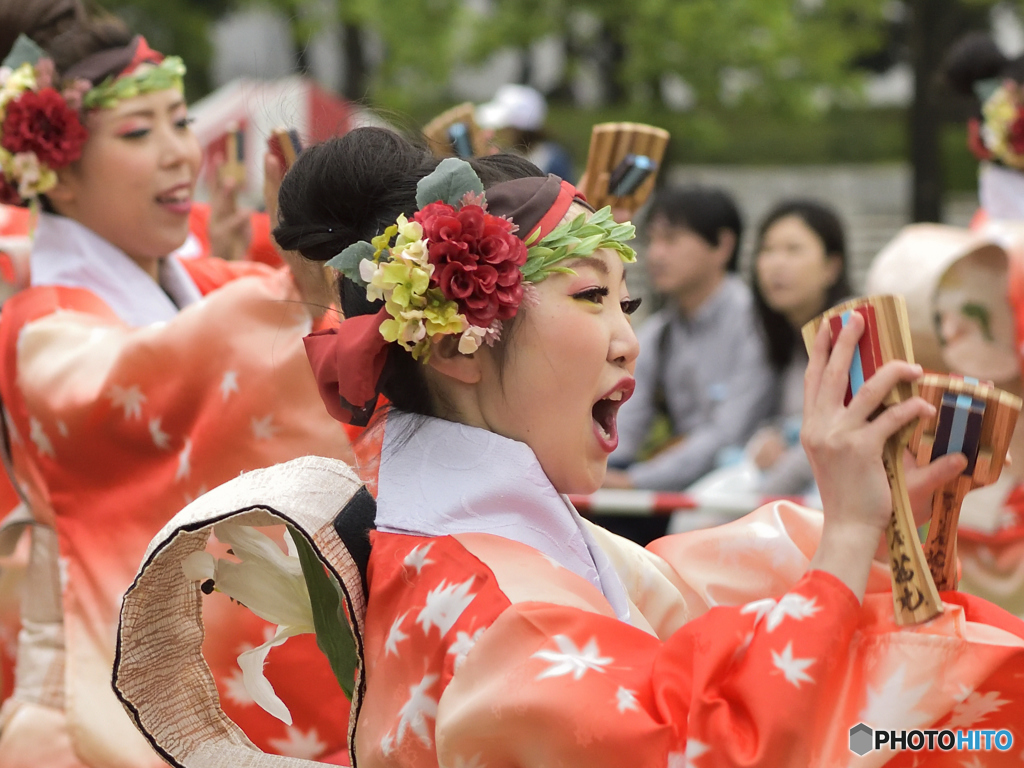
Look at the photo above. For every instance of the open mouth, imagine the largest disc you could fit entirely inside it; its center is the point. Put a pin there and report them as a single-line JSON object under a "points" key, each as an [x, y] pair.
{"points": [[178, 199], [605, 411]]}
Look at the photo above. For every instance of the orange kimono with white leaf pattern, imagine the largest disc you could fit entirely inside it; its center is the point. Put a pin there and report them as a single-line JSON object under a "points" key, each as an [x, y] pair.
{"points": [[495, 647], [114, 429], [481, 652]]}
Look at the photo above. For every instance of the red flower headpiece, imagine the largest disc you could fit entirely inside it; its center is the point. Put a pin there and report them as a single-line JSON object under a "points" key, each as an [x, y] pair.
{"points": [[455, 268]]}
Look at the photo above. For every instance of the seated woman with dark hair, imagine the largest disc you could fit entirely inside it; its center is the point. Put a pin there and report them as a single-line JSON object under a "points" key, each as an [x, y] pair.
{"points": [[800, 270]]}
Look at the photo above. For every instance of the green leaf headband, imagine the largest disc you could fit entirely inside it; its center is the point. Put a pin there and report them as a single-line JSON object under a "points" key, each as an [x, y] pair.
{"points": [[169, 73], [454, 179]]}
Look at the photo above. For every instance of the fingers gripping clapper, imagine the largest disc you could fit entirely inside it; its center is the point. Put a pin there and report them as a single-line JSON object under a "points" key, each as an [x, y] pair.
{"points": [[886, 337]]}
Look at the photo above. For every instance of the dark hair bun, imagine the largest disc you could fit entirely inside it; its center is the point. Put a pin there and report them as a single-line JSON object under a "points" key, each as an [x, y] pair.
{"points": [[42, 20], [66, 29], [348, 189], [973, 57]]}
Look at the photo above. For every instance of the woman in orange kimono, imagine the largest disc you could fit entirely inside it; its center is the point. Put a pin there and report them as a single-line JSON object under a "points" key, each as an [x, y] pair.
{"points": [[495, 627], [131, 383]]}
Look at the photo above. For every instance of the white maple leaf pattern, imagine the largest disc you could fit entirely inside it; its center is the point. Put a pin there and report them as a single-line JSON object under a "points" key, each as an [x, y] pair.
{"points": [[414, 713], [760, 608], [305, 745], [395, 636], [976, 708], [626, 699], [463, 644], [570, 660], [792, 669], [235, 690], [228, 384], [892, 707], [264, 429], [445, 603], [387, 744], [39, 437], [184, 462], [62, 428], [792, 605], [160, 438], [974, 762], [128, 398], [694, 749], [417, 558]]}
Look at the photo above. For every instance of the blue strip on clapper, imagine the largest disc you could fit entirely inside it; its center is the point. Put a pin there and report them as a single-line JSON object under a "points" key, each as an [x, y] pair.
{"points": [[857, 366], [959, 427]]}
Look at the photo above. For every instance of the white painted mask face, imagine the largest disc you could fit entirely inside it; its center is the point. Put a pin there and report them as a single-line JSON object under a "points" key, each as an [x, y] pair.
{"points": [[973, 319]]}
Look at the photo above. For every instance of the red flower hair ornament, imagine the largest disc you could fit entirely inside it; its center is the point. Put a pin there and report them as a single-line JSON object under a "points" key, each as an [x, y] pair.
{"points": [[460, 266]]}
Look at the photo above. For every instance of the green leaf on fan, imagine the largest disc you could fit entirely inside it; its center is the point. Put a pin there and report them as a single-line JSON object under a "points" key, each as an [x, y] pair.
{"points": [[333, 635]]}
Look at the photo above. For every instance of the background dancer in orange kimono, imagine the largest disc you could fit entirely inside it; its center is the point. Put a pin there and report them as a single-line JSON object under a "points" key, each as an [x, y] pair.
{"points": [[132, 382]]}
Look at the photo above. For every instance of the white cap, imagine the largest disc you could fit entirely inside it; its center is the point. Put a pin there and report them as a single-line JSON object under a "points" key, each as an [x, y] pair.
{"points": [[513, 106]]}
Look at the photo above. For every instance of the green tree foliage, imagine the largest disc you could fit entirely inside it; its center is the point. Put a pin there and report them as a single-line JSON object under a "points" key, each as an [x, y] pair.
{"points": [[790, 54]]}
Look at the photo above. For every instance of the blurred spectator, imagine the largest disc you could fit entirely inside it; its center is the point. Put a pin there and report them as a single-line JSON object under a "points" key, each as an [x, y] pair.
{"points": [[515, 121], [799, 272], [703, 379]]}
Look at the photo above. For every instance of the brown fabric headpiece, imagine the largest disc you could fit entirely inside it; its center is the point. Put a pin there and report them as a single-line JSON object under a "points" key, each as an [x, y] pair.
{"points": [[536, 202], [114, 62]]}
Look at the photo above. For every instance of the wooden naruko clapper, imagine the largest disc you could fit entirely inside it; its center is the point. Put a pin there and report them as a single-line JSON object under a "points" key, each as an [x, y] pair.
{"points": [[622, 164], [887, 337], [234, 156], [454, 133], [976, 419]]}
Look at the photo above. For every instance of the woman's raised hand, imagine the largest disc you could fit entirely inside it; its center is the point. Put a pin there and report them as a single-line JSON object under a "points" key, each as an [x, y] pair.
{"points": [[844, 446], [229, 228]]}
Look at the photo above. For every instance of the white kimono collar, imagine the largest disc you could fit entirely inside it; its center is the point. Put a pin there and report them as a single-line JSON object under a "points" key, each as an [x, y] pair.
{"points": [[69, 254], [1001, 192], [438, 477]]}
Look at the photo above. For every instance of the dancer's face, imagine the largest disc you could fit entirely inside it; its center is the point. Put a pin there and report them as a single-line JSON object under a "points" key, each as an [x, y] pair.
{"points": [[134, 182], [973, 319], [567, 367]]}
